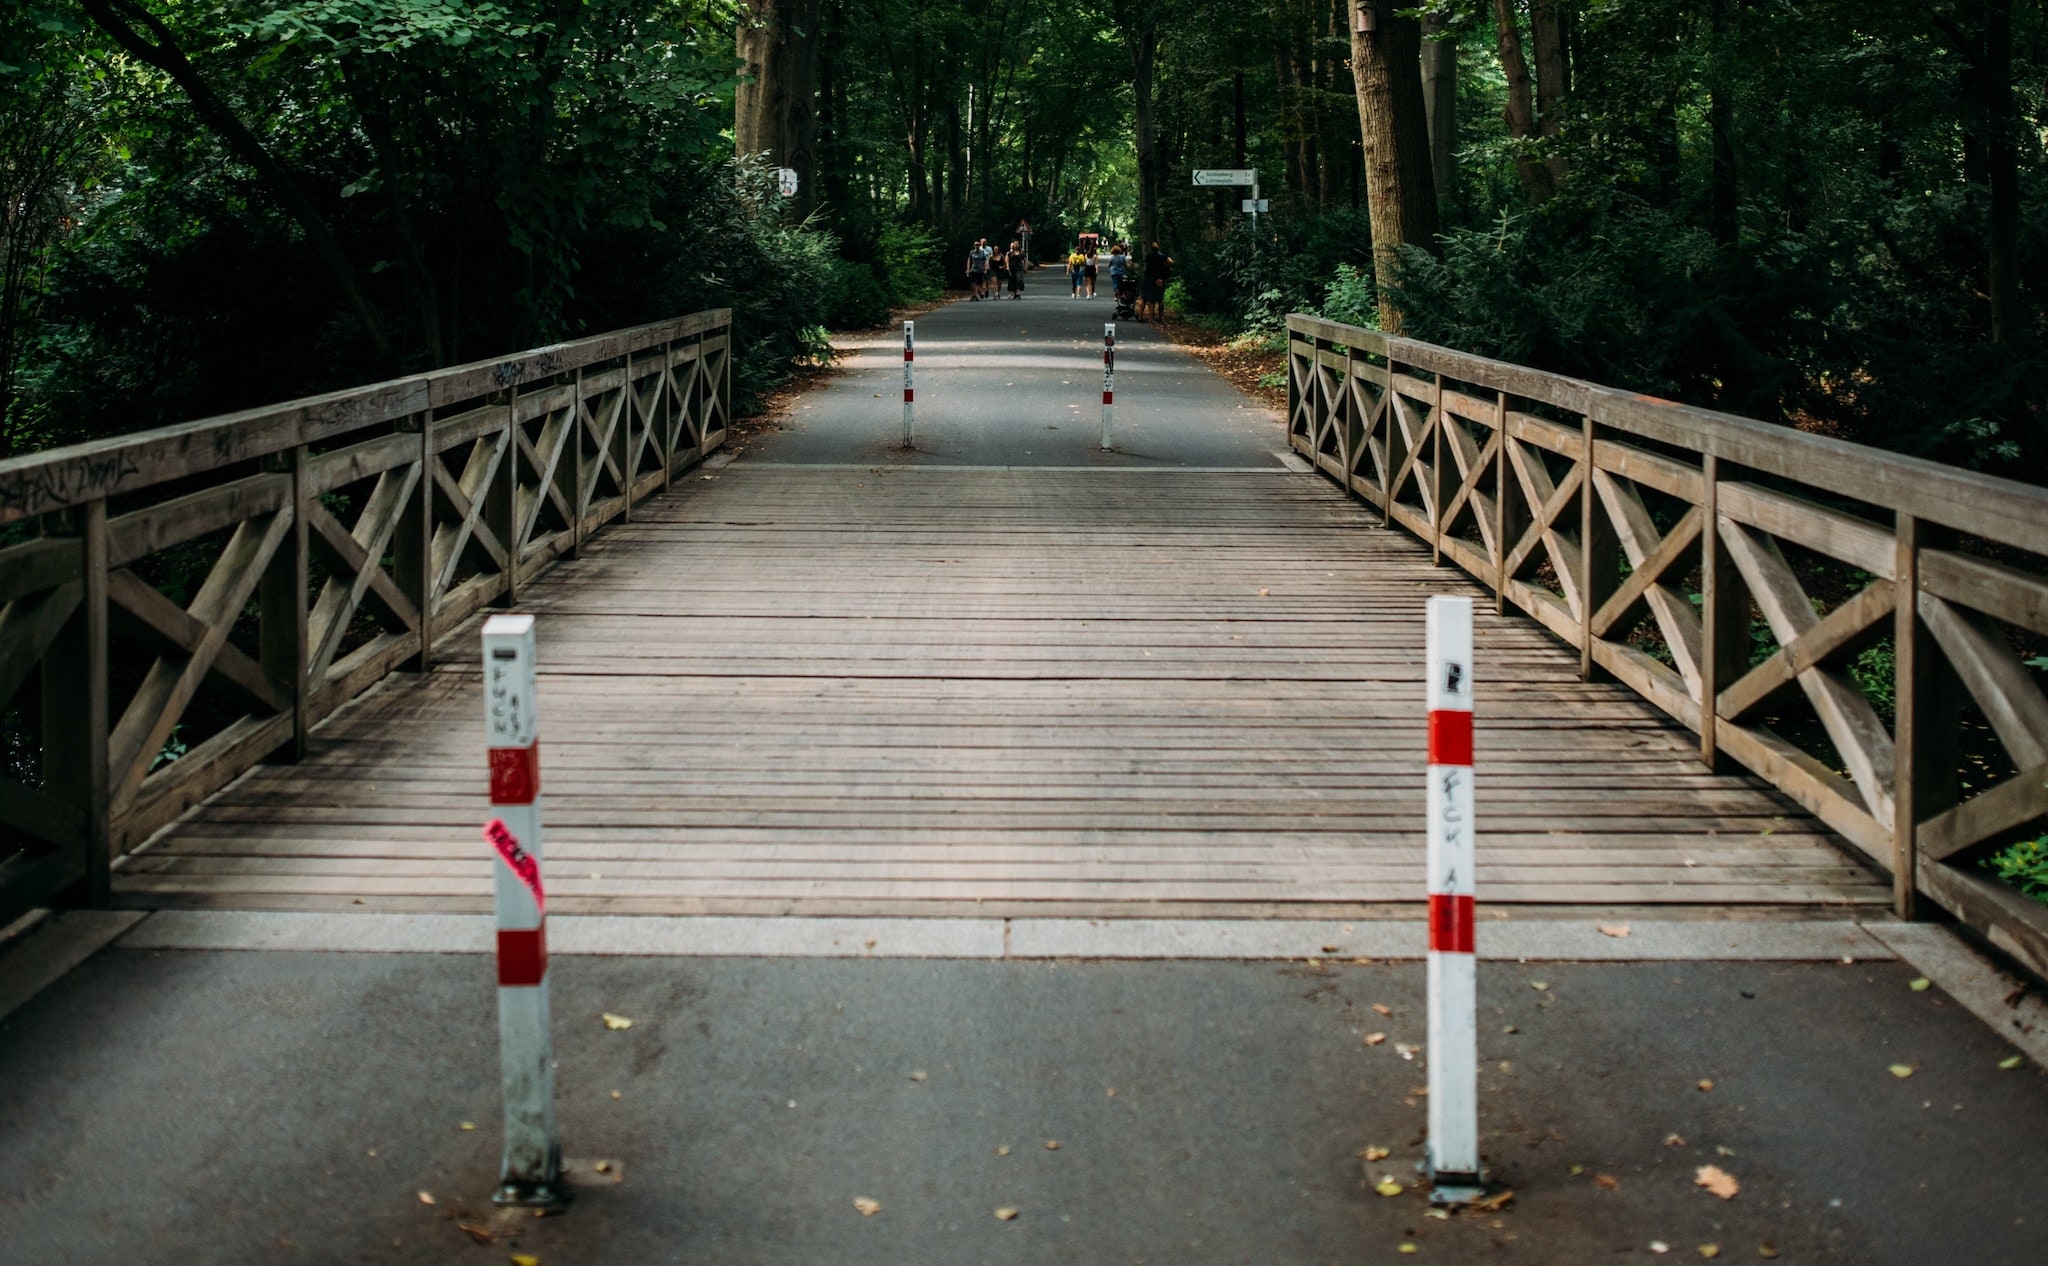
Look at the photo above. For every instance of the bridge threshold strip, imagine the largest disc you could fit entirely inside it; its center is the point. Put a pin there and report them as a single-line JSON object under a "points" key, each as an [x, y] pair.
{"points": [[1005, 692]]}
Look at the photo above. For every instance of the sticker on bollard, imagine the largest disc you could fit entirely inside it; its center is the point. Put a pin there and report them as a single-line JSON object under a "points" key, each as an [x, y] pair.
{"points": [[1453, 1151], [532, 1172]]}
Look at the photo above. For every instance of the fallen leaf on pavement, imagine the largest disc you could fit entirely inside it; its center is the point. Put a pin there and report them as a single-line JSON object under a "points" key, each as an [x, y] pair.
{"points": [[1539, 985], [426, 1197], [1374, 1153], [1387, 1186], [481, 1235], [1710, 1250], [2011, 1062], [1902, 1071], [1606, 1182], [1002, 1151], [615, 1094], [868, 1208], [1706, 1083], [1919, 985], [469, 1125], [1407, 1248], [1766, 1249], [919, 1075], [1612, 929], [1052, 1145], [1374, 1039], [616, 1022], [1495, 1202], [1659, 1246], [1717, 1180], [1673, 1140], [525, 1259], [1006, 1214], [1382, 1008]]}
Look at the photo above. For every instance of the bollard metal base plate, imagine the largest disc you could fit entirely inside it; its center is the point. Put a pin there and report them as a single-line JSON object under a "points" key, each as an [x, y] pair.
{"points": [[1447, 1188], [549, 1191]]}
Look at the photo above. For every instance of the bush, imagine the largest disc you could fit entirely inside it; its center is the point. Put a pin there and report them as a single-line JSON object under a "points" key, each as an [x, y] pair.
{"points": [[907, 264], [1353, 299], [2023, 865], [857, 300]]}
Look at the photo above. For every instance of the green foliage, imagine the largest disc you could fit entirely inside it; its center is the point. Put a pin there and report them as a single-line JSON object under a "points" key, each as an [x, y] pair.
{"points": [[1353, 298], [858, 301], [907, 264], [2023, 865]]}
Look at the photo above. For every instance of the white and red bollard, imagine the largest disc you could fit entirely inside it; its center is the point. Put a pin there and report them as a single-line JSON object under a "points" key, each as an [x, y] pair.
{"points": [[532, 1173], [1108, 381], [1453, 1151], [909, 389]]}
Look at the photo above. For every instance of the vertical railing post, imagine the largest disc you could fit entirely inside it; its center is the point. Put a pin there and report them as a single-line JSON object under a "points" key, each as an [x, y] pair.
{"points": [[533, 1155], [622, 443], [1436, 469], [1724, 617], [1503, 486], [1926, 702], [502, 510], [1599, 554], [75, 720], [282, 609], [578, 506], [666, 397], [412, 544]]}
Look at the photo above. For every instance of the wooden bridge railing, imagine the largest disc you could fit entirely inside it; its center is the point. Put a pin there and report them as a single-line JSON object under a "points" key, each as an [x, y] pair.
{"points": [[180, 604], [1676, 547]]}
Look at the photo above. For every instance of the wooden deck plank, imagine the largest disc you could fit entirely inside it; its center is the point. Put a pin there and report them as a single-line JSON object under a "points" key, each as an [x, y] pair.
{"points": [[804, 690]]}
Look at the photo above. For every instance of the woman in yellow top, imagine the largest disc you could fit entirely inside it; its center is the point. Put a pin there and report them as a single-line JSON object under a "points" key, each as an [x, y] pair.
{"points": [[1076, 261]]}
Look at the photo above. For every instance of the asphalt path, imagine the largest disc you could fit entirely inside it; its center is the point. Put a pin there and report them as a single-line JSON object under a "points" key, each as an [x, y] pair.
{"points": [[199, 1107], [1005, 382]]}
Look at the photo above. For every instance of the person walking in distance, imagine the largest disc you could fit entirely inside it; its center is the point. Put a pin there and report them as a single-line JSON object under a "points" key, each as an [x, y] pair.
{"points": [[1017, 267], [1024, 240], [1089, 252], [998, 271], [977, 268], [1074, 262], [1119, 265], [1152, 298]]}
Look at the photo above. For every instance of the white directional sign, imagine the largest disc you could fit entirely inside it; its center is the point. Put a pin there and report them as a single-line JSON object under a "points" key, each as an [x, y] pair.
{"points": [[1257, 204], [785, 180], [1225, 176]]}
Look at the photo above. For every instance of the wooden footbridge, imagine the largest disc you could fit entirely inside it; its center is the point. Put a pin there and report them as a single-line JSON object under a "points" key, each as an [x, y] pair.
{"points": [[1733, 669]]}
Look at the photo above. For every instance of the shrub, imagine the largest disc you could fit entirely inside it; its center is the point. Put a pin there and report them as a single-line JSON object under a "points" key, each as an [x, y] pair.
{"points": [[2023, 865], [857, 301], [907, 264]]}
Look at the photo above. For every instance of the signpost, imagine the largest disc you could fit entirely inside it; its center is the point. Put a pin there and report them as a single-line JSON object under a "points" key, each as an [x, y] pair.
{"points": [[1218, 177]]}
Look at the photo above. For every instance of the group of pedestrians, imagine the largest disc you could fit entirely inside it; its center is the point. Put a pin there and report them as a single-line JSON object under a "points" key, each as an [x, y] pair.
{"points": [[993, 270], [990, 270], [1129, 280]]}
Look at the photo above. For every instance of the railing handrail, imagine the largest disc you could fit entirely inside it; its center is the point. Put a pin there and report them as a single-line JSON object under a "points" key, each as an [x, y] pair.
{"points": [[1989, 506], [60, 478]]}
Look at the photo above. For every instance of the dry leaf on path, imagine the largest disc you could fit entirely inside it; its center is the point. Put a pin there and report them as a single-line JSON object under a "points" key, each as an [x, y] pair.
{"points": [[1387, 1186], [1052, 1145], [616, 1022], [1710, 1250], [1919, 985], [2011, 1062], [1265, 593], [1408, 1248], [525, 1259], [1006, 1214], [1902, 1071], [1766, 1249], [1659, 1246], [1002, 1151], [1495, 1202], [1612, 929], [868, 1208], [1375, 1153], [1539, 985], [1674, 1140], [1382, 1008], [919, 1075], [1717, 1180], [426, 1197], [1606, 1182], [1374, 1039], [480, 1234], [1706, 1083]]}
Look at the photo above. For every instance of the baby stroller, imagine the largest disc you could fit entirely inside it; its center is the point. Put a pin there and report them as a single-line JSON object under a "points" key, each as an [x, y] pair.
{"points": [[1127, 298]]}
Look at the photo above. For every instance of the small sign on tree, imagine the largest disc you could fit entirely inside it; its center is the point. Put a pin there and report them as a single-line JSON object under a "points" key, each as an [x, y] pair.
{"points": [[785, 180]]}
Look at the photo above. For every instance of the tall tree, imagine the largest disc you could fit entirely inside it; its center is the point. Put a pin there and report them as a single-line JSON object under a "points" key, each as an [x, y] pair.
{"points": [[1400, 194], [1440, 104], [775, 106], [1520, 111]]}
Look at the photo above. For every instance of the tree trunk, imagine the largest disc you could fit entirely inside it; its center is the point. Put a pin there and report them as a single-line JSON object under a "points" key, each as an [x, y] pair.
{"points": [[1142, 39], [1386, 63], [1237, 119], [774, 106], [1547, 33], [1440, 107], [1721, 126], [1520, 111], [2001, 161]]}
